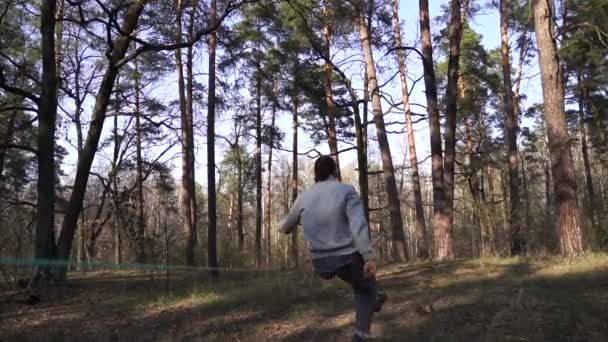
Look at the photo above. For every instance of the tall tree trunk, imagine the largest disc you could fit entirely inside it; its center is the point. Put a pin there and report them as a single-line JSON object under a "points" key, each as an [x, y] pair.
{"points": [[490, 201], [583, 133], [231, 214], [258, 166], [421, 238], [294, 177], [98, 116], [474, 187], [269, 185], [239, 212], [211, 200], [365, 146], [523, 51], [548, 196], [400, 253], [47, 115], [441, 220], [7, 139], [361, 158], [569, 230], [444, 238], [329, 99], [190, 121], [524, 176], [114, 180], [140, 255], [185, 186], [510, 134]]}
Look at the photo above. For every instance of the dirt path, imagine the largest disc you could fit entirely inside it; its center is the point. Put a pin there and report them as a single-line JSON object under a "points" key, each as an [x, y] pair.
{"points": [[508, 300]]}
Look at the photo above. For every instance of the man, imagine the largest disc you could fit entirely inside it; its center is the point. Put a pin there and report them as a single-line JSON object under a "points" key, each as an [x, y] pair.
{"points": [[335, 225]]}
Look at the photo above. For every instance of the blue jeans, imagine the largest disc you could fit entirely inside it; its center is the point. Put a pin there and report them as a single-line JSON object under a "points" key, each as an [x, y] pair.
{"points": [[364, 288]]}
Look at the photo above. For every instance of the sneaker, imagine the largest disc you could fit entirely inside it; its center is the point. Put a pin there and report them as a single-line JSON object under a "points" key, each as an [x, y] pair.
{"points": [[360, 336], [357, 338], [381, 298]]}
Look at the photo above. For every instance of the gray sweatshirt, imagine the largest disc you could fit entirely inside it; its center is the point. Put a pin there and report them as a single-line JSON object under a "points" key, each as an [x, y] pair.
{"points": [[333, 218]]}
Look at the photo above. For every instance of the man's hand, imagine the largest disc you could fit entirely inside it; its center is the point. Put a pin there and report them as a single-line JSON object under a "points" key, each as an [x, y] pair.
{"points": [[369, 268]]}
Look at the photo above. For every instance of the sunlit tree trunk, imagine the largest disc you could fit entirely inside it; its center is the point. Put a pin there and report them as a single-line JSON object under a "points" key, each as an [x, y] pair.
{"points": [[421, 238], [510, 134], [526, 192], [441, 221], [190, 120], [479, 204], [523, 51], [185, 186], [400, 253], [211, 200], [583, 134], [329, 100], [569, 230], [444, 238], [490, 201]]}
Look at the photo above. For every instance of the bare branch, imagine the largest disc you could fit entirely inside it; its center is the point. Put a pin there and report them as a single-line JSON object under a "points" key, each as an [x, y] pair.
{"points": [[20, 147]]}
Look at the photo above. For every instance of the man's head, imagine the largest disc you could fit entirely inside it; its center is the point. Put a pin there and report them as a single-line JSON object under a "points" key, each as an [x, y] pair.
{"points": [[325, 167]]}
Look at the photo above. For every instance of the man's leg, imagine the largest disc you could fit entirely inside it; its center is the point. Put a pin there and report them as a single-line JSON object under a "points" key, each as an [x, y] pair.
{"points": [[366, 293]]}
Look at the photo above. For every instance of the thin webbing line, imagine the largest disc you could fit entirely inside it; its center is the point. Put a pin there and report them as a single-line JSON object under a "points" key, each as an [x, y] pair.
{"points": [[31, 262]]}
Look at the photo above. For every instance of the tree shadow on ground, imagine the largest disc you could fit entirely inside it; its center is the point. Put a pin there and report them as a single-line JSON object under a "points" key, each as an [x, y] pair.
{"points": [[456, 301], [450, 302]]}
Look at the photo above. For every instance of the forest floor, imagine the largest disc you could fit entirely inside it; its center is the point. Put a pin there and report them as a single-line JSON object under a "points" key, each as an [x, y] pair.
{"points": [[516, 299]]}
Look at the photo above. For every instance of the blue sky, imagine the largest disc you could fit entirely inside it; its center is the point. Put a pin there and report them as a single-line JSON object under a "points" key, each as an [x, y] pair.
{"points": [[486, 23]]}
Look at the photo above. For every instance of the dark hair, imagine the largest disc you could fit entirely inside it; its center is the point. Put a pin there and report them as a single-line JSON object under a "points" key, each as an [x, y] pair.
{"points": [[325, 166]]}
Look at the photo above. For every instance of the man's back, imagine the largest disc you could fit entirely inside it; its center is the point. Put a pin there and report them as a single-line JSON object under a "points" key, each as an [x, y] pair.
{"points": [[333, 219]]}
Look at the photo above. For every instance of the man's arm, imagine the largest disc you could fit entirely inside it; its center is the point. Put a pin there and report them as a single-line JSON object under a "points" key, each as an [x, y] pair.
{"points": [[292, 219], [358, 224]]}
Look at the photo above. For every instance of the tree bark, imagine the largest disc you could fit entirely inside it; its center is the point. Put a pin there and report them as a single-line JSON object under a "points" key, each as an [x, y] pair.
{"points": [[364, 146], [294, 177], [569, 230], [421, 238], [190, 121], [523, 51], [239, 213], [329, 100], [114, 180], [360, 129], [140, 255], [444, 238], [510, 134], [211, 200], [121, 45], [269, 185], [47, 115], [441, 221], [400, 253], [524, 176], [583, 134], [185, 185], [474, 187], [258, 166]]}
